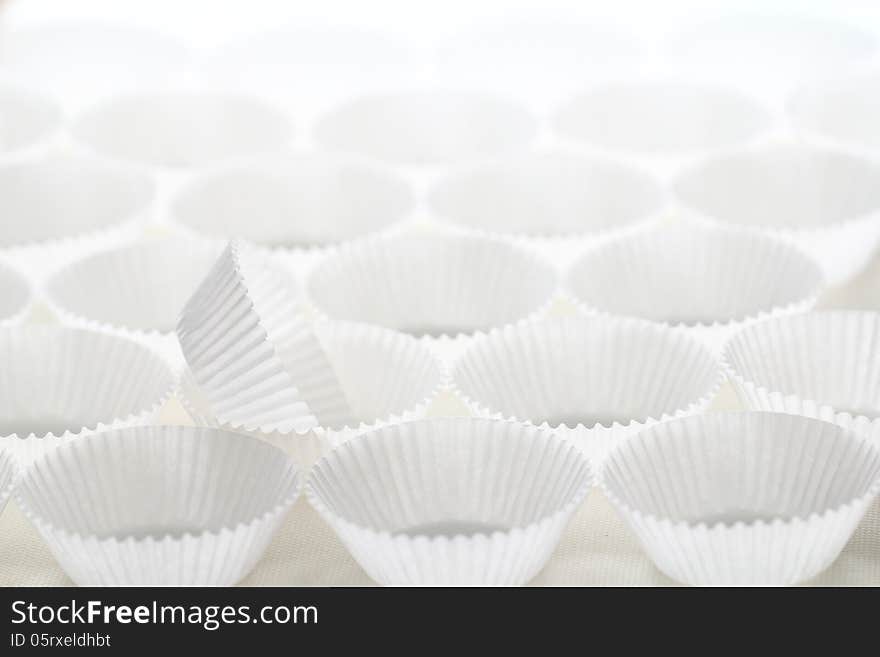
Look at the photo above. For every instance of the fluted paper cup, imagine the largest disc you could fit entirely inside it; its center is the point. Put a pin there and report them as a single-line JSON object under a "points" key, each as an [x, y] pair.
{"points": [[9, 473], [296, 201], [593, 380], [16, 296], [827, 201], [426, 127], [182, 129], [661, 123], [28, 122], [159, 506], [79, 62], [385, 376], [709, 280], [743, 498], [252, 351], [841, 111], [59, 383], [451, 501], [431, 283], [823, 364], [547, 194]]}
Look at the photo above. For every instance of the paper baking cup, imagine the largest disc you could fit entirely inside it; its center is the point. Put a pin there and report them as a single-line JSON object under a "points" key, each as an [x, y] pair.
{"points": [[27, 120], [16, 296], [548, 194], [827, 201], [386, 378], [64, 198], [593, 380], [431, 283], [423, 128], [159, 506], [743, 498], [58, 383], [78, 62], [709, 280], [661, 118], [293, 201], [824, 365], [8, 475], [252, 351], [451, 501], [182, 129], [842, 111]]}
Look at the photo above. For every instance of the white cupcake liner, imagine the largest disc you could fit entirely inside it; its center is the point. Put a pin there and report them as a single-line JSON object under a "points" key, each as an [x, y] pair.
{"points": [[593, 380], [841, 111], [661, 123], [293, 201], [9, 474], [824, 365], [182, 129], [29, 122], [79, 62], [62, 205], [451, 501], [251, 349], [159, 506], [709, 280], [59, 383], [386, 377], [547, 194], [431, 283], [16, 296], [743, 498], [827, 201], [426, 128]]}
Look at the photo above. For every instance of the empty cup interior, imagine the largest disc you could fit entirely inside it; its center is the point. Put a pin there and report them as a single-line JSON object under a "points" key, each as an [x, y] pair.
{"points": [[305, 201], [15, 293], [55, 380], [691, 275], [783, 185], [423, 128], [450, 476], [845, 111], [182, 129], [59, 196], [661, 118], [586, 372], [427, 283], [726, 468], [548, 193], [25, 119]]}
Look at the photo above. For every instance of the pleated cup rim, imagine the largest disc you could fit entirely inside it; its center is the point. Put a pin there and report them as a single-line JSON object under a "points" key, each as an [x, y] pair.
{"points": [[9, 464], [44, 526], [28, 287], [790, 520], [377, 434]]}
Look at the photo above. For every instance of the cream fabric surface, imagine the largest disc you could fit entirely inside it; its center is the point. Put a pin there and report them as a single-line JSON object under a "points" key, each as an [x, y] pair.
{"points": [[597, 549]]}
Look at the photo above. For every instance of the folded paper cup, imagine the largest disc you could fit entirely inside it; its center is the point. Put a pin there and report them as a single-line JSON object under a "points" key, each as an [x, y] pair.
{"points": [[548, 194], [293, 201], [16, 296], [840, 111], [386, 378], [590, 379], [710, 280], [182, 129], [827, 201], [823, 364], [59, 383], [425, 128], [451, 501], [743, 498], [252, 351], [28, 121], [79, 62], [9, 472], [662, 123], [159, 506], [57, 204], [431, 283]]}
